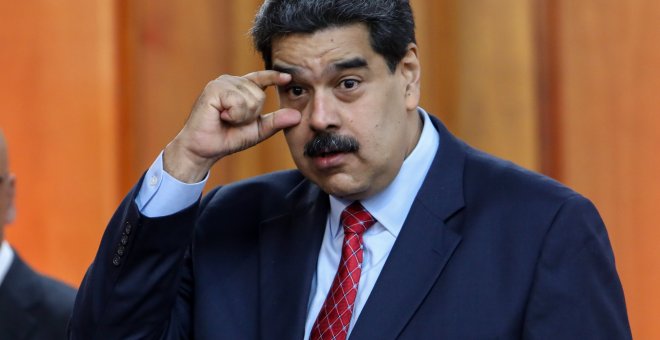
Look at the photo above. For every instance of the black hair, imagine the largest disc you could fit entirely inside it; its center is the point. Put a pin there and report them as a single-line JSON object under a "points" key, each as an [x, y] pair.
{"points": [[390, 23]]}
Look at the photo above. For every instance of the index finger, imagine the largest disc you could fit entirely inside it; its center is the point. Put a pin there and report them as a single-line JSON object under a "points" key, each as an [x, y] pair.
{"points": [[266, 78]]}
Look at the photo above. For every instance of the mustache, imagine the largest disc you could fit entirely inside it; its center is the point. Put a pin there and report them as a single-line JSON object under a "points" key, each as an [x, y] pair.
{"points": [[327, 142]]}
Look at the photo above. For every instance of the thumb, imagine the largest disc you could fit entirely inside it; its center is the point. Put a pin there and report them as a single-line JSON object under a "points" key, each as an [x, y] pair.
{"points": [[270, 123]]}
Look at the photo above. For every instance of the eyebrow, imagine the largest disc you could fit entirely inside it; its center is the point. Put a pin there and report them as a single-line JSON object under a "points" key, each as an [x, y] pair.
{"points": [[338, 66], [351, 63], [285, 69]]}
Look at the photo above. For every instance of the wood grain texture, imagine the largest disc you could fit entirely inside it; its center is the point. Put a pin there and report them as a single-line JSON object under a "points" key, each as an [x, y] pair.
{"points": [[609, 65], [57, 109], [479, 73]]}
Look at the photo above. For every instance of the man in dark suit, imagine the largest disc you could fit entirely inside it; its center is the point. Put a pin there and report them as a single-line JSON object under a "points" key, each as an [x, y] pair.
{"points": [[389, 228], [32, 306]]}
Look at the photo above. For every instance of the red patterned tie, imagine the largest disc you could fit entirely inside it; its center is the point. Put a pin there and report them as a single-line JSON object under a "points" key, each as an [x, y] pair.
{"points": [[335, 315]]}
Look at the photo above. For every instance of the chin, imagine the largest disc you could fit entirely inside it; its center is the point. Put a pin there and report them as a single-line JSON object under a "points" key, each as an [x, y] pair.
{"points": [[340, 184], [351, 191]]}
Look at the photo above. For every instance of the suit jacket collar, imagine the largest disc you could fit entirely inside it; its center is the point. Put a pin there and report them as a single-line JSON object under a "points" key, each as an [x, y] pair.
{"points": [[290, 243]]}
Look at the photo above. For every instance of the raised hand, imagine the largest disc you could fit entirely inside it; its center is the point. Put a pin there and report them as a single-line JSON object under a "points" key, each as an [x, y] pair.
{"points": [[226, 118]]}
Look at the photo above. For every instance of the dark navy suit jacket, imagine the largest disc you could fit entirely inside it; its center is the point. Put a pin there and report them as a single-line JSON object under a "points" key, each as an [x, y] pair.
{"points": [[488, 251], [33, 306]]}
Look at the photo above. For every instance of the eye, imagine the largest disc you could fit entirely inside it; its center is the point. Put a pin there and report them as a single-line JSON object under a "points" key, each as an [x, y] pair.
{"points": [[349, 84], [295, 91]]}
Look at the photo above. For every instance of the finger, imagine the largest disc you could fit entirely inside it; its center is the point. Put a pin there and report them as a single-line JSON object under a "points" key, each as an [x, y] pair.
{"points": [[251, 87], [234, 106], [270, 123], [266, 78], [258, 96], [242, 102]]}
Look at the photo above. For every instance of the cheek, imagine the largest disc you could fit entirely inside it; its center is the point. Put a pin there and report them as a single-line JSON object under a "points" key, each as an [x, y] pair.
{"points": [[295, 139], [384, 135]]}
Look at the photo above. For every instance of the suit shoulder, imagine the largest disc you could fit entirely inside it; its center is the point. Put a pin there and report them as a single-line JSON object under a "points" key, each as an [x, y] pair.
{"points": [[58, 299], [487, 176], [272, 185], [506, 199], [262, 196], [59, 291], [49, 300]]}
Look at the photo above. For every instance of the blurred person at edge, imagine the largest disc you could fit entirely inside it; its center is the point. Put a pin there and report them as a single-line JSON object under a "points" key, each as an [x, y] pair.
{"points": [[32, 306], [458, 244]]}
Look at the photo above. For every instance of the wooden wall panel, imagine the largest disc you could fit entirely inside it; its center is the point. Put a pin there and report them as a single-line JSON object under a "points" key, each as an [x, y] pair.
{"points": [[437, 26], [608, 105], [57, 109], [479, 73], [171, 50], [497, 109]]}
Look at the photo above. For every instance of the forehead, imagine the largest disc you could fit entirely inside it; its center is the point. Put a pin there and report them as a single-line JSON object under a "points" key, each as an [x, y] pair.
{"points": [[315, 51]]}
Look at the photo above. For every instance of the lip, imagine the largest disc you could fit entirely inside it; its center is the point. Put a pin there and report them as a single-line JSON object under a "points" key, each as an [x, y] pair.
{"points": [[330, 161]]}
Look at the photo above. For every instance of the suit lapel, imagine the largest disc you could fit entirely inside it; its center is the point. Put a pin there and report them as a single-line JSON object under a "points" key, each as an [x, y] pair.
{"points": [[289, 249], [418, 257], [423, 248]]}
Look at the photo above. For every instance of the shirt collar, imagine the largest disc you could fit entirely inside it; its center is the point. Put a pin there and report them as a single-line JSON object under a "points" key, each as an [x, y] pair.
{"points": [[6, 258], [390, 207]]}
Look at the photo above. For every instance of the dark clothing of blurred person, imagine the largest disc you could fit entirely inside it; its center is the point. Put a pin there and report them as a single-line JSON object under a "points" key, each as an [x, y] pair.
{"points": [[32, 306]]}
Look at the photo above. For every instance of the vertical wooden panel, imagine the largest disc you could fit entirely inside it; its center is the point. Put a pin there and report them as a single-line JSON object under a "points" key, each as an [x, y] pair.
{"points": [[437, 38], [479, 73], [171, 50], [57, 110], [609, 83], [546, 33], [497, 109]]}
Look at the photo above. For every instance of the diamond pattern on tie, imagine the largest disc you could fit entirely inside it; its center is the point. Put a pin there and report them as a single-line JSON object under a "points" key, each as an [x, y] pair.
{"points": [[335, 315]]}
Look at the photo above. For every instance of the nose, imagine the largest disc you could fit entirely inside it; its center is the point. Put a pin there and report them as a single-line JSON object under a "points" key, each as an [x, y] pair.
{"points": [[324, 115]]}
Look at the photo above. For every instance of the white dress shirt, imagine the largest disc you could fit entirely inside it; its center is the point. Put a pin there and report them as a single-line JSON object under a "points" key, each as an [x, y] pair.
{"points": [[6, 258], [162, 194]]}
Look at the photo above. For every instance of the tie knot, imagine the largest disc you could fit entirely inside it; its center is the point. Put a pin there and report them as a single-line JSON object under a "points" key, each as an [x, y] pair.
{"points": [[356, 219]]}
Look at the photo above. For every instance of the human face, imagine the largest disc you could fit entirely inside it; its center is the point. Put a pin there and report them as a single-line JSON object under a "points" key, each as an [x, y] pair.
{"points": [[343, 87]]}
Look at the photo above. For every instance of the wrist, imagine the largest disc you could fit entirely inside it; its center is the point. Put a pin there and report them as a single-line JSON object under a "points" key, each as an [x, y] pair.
{"points": [[183, 164]]}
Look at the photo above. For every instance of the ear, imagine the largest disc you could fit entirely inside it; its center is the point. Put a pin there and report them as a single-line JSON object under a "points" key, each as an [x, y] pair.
{"points": [[410, 69], [11, 208], [11, 214]]}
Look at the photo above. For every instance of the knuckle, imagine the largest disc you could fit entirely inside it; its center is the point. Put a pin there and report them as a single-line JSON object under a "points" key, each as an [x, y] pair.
{"points": [[224, 77], [217, 83], [232, 98], [254, 106], [224, 81], [241, 88], [261, 96], [239, 100]]}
